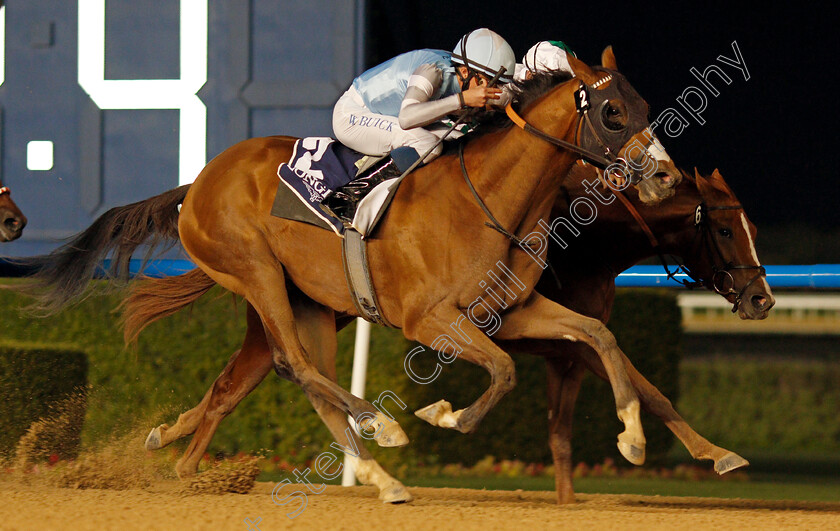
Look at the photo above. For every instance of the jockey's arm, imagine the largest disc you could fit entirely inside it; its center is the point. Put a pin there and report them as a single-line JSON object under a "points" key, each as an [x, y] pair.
{"points": [[418, 108]]}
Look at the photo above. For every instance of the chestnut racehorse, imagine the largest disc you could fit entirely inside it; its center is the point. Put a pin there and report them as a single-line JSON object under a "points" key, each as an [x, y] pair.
{"points": [[12, 220], [425, 256], [587, 275]]}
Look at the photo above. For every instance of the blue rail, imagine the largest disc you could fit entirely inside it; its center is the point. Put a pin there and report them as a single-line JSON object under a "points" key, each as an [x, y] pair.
{"points": [[819, 276]]}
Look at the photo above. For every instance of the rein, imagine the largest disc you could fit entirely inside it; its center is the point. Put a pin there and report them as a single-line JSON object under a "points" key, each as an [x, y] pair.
{"points": [[582, 104], [587, 154]]}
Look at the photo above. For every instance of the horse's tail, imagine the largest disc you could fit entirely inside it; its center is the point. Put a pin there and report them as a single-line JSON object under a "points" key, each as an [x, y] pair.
{"points": [[62, 276], [155, 298]]}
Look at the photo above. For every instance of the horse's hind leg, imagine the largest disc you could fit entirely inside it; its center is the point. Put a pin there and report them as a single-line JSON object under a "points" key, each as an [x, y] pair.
{"points": [[245, 370], [188, 421], [317, 331], [656, 403], [316, 328], [262, 282], [564, 379]]}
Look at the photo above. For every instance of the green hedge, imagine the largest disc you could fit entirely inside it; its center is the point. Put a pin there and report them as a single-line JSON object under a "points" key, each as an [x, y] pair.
{"points": [[178, 358], [769, 406], [32, 378]]}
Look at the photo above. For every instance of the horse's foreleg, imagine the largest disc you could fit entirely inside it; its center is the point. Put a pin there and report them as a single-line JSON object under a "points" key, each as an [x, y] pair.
{"points": [[472, 345], [564, 379], [656, 403], [540, 318]]}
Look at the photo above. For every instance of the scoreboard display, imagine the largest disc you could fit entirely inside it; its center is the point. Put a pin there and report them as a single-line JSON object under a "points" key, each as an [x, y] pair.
{"points": [[107, 102]]}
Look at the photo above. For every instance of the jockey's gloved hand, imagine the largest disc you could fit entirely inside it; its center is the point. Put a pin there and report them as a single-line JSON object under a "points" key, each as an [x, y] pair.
{"points": [[482, 96]]}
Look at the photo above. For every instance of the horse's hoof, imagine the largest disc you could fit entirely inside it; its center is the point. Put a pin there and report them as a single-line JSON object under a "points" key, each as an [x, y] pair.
{"points": [[389, 434], [153, 440], [440, 414], [183, 472], [632, 451], [396, 494], [729, 462]]}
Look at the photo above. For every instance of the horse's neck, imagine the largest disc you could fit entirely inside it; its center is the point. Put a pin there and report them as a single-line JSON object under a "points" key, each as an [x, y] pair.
{"points": [[617, 230], [517, 176]]}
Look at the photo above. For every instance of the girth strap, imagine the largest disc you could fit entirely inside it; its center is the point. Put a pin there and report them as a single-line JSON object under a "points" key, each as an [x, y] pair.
{"points": [[357, 273]]}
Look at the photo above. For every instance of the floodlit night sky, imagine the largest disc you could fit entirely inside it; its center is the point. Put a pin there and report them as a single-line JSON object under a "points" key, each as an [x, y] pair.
{"points": [[773, 136]]}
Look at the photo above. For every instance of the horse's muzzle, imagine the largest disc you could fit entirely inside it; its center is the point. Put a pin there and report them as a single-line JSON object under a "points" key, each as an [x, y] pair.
{"points": [[11, 226]]}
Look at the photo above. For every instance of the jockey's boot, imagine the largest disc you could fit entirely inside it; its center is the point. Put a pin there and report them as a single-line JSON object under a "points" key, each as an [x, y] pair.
{"points": [[344, 201]]}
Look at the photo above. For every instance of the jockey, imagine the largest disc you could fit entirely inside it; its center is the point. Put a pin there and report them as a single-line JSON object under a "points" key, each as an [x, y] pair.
{"points": [[396, 108], [542, 57]]}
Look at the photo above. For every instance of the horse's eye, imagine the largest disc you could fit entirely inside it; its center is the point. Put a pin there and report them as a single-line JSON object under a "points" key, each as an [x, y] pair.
{"points": [[613, 116], [726, 233]]}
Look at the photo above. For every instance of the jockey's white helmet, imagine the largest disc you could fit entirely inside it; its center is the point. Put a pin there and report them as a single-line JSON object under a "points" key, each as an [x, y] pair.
{"points": [[485, 51], [544, 56]]}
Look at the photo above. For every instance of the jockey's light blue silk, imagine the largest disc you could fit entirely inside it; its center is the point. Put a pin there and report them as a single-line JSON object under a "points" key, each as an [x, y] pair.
{"points": [[383, 87]]}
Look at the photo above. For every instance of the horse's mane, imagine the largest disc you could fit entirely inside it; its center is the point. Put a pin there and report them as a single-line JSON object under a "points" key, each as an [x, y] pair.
{"points": [[530, 89], [524, 93]]}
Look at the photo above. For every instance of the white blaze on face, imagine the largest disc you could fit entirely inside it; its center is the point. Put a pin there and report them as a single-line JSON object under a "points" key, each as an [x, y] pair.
{"points": [[656, 150], [752, 249]]}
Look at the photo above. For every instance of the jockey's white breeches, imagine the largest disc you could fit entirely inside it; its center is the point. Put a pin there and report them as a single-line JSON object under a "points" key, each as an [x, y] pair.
{"points": [[359, 128]]}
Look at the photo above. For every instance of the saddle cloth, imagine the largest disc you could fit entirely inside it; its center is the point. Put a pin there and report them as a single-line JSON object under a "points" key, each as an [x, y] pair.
{"points": [[317, 165]]}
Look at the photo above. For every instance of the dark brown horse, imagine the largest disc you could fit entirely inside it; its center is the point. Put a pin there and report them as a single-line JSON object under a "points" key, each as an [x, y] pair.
{"points": [[721, 240], [12, 220], [587, 275], [425, 258]]}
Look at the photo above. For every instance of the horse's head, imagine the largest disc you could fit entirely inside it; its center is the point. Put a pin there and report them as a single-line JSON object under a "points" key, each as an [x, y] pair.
{"points": [[723, 252], [12, 220], [614, 122]]}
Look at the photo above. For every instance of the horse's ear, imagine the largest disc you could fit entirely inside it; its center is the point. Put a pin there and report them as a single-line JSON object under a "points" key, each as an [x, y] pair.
{"points": [[703, 184], [720, 183], [581, 70], [608, 58]]}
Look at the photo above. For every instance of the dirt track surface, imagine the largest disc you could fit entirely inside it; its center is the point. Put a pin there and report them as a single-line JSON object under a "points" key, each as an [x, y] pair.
{"points": [[163, 507]]}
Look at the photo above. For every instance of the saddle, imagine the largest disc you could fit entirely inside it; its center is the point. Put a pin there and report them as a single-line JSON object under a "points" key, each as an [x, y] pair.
{"points": [[329, 185]]}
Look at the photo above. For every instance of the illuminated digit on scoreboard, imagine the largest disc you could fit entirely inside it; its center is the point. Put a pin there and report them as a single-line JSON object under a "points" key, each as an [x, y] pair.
{"points": [[178, 94]]}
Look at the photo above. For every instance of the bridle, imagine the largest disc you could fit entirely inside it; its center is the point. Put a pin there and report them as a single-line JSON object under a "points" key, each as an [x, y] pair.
{"points": [[597, 152], [722, 280], [583, 103], [5, 190]]}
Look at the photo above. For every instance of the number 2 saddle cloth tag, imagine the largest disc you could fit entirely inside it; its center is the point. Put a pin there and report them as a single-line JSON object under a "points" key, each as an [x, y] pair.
{"points": [[318, 165]]}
